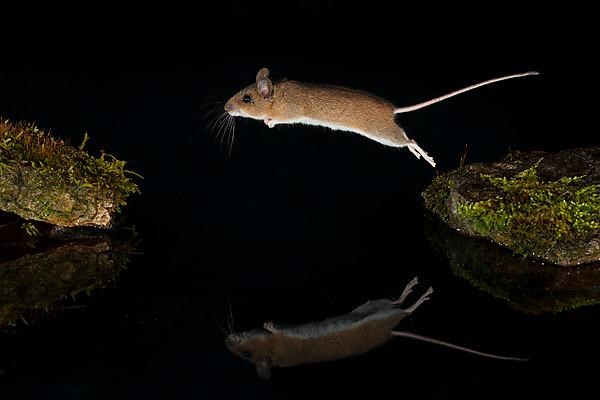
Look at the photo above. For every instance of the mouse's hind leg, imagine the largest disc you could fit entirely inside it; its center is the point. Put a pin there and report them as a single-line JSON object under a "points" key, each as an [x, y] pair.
{"points": [[421, 300], [407, 290], [402, 140], [419, 152]]}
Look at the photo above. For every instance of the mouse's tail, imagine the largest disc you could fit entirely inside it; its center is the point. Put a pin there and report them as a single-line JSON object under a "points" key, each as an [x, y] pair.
{"points": [[454, 346], [427, 103]]}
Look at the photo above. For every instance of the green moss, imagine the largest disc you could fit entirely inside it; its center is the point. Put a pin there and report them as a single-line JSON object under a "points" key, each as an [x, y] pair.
{"points": [[45, 179], [436, 194], [24, 143], [536, 215]]}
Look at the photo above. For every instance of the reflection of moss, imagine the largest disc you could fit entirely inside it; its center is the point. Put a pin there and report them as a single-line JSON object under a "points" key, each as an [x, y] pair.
{"points": [[45, 179], [39, 281], [528, 285], [530, 293], [535, 215]]}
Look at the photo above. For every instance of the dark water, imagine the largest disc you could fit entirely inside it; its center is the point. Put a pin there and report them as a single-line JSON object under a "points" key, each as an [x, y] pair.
{"points": [[299, 223]]}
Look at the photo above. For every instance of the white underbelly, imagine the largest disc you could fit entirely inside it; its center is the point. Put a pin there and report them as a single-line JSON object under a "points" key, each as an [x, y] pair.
{"points": [[336, 127]]}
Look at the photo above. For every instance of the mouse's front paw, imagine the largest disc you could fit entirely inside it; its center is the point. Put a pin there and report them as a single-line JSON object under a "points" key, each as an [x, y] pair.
{"points": [[270, 123], [269, 326]]}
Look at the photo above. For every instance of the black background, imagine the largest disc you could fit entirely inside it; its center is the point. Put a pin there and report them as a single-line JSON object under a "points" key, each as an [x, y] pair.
{"points": [[298, 223]]}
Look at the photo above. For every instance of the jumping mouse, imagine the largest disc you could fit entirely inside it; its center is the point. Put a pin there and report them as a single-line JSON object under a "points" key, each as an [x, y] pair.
{"points": [[335, 107], [357, 332]]}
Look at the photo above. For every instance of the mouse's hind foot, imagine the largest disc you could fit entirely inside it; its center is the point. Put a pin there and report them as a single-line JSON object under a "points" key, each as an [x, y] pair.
{"points": [[419, 152], [269, 326], [420, 301], [407, 290]]}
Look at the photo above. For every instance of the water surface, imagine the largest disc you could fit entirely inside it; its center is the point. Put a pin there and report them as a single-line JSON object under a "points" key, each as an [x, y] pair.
{"points": [[299, 224]]}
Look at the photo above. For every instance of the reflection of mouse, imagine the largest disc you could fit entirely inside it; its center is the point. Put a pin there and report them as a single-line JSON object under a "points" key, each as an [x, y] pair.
{"points": [[335, 107], [357, 332]]}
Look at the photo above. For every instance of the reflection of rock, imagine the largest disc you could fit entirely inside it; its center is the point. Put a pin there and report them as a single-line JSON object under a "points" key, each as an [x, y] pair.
{"points": [[39, 279], [538, 204], [528, 285]]}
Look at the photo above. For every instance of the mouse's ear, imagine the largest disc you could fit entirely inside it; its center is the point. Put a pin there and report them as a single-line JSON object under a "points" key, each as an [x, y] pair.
{"points": [[264, 84], [263, 368], [262, 74]]}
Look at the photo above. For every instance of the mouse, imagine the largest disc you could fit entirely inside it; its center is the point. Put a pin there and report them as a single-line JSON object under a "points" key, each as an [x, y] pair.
{"points": [[334, 107], [363, 329]]}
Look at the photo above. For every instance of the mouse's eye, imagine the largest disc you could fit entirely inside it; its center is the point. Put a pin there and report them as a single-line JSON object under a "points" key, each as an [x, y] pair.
{"points": [[247, 354], [247, 98]]}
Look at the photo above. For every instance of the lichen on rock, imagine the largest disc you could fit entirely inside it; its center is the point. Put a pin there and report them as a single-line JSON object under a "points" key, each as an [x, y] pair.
{"points": [[538, 204], [43, 178]]}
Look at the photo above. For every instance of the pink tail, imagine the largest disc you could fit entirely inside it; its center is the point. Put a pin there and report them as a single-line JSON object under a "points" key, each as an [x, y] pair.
{"points": [[454, 346], [457, 92]]}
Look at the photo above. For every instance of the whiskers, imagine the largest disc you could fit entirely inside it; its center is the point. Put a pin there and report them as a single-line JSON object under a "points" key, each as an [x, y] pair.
{"points": [[230, 323], [221, 124], [222, 329], [230, 326]]}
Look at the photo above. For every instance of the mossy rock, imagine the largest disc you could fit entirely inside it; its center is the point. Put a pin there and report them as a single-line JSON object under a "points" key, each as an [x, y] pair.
{"points": [[538, 204], [528, 285], [45, 179]]}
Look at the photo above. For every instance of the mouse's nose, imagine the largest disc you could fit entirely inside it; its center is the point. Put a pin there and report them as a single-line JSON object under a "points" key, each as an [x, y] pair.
{"points": [[231, 341], [229, 107]]}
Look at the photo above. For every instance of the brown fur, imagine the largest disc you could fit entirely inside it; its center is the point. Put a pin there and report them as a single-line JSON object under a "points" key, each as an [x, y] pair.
{"points": [[356, 340], [365, 328], [354, 109], [335, 107]]}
